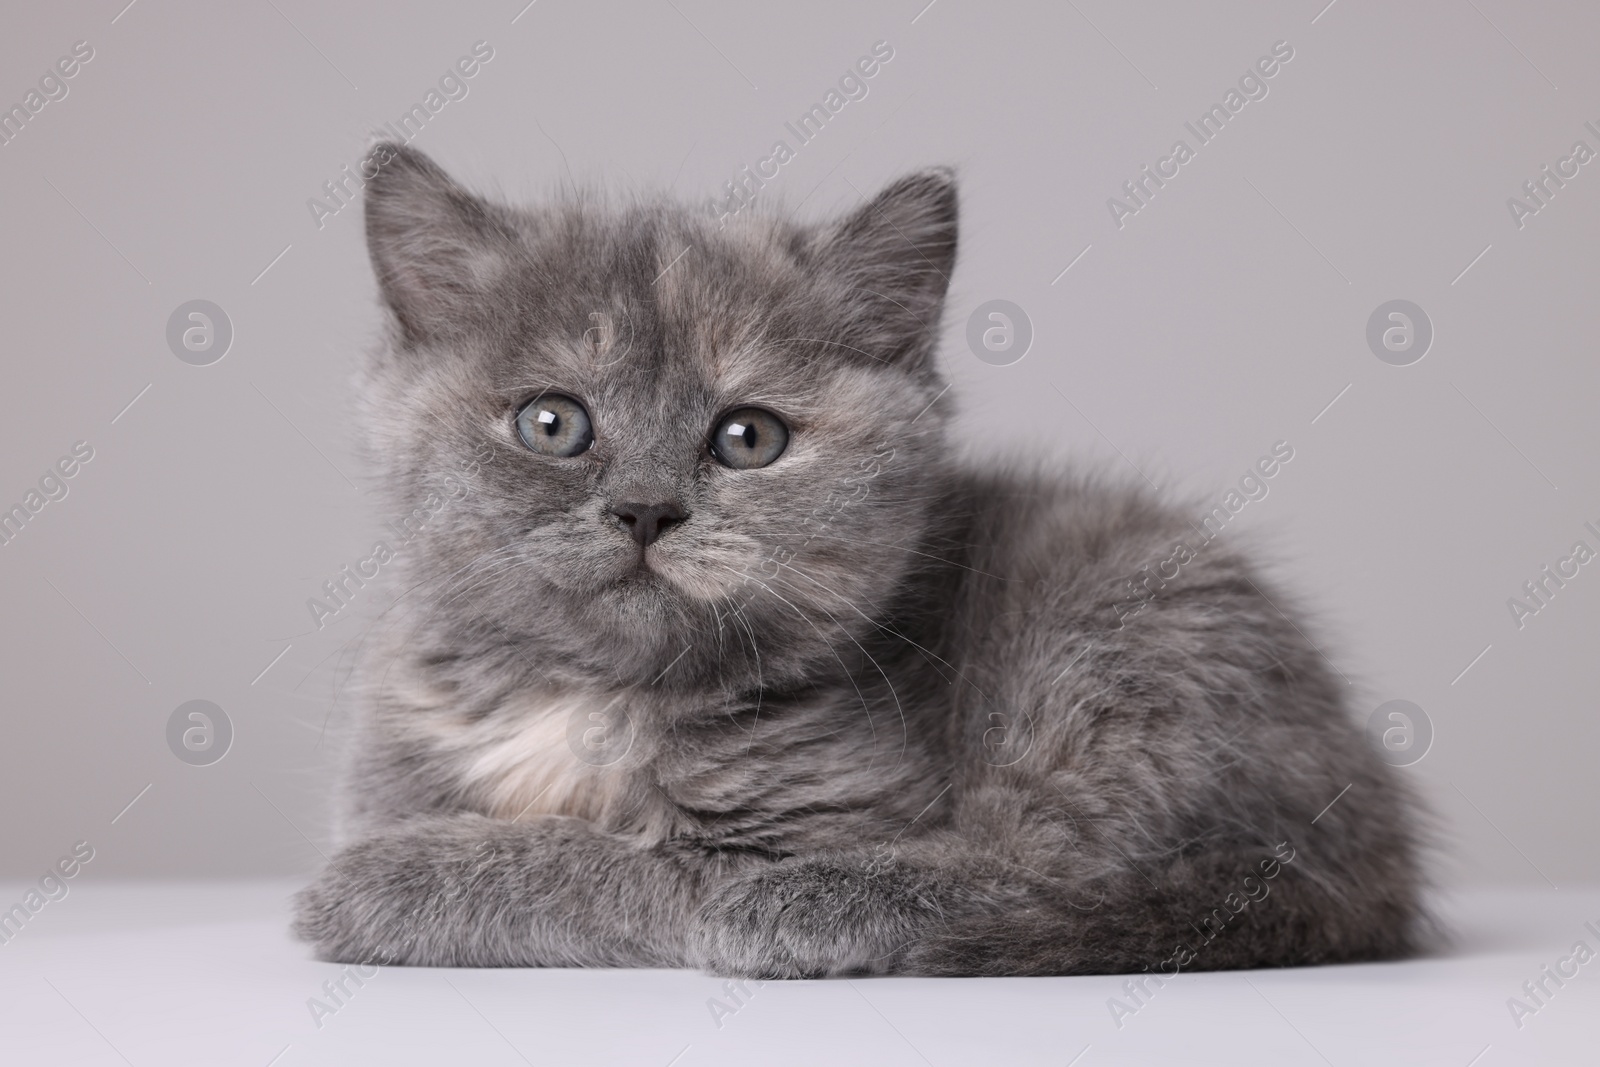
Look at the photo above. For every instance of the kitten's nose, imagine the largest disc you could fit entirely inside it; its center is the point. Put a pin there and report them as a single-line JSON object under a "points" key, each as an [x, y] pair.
{"points": [[646, 522]]}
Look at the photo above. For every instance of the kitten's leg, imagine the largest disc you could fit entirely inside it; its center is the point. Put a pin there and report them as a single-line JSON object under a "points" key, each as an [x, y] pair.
{"points": [[951, 905], [860, 912], [465, 890]]}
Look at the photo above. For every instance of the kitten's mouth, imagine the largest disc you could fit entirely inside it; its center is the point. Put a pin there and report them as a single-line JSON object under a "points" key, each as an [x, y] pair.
{"points": [[651, 575], [641, 584], [640, 571], [680, 576]]}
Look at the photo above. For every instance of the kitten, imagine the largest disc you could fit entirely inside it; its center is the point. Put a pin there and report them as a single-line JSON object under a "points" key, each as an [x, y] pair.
{"points": [[713, 653]]}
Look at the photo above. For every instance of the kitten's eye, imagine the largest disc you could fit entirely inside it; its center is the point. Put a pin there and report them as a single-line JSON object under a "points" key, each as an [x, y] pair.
{"points": [[555, 425], [749, 438]]}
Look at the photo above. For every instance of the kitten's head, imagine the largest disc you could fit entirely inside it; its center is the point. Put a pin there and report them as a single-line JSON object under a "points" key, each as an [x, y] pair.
{"points": [[646, 436]]}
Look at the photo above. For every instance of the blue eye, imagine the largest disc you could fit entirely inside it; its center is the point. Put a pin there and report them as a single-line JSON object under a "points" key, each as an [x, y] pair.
{"points": [[555, 425], [749, 438]]}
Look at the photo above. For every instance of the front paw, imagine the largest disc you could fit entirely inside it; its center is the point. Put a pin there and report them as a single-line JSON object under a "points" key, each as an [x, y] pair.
{"points": [[402, 896], [814, 917], [361, 908]]}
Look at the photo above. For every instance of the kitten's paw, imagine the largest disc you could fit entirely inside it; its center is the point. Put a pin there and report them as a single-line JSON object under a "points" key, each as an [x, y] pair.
{"points": [[356, 910], [812, 918]]}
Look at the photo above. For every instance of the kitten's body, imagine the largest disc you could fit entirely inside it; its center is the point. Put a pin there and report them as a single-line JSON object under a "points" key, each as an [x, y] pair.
{"points": [[865, 710]]}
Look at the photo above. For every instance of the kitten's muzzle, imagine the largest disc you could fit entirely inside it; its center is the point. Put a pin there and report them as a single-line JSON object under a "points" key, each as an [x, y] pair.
{"points": [[646, 522]]}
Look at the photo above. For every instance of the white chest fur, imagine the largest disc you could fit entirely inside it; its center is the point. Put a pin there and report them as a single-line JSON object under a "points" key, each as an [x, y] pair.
{"points": [[542, 755]]}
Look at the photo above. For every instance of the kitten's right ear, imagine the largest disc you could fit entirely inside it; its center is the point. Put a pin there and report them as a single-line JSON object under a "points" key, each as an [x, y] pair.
{"points": [[437, 250]]}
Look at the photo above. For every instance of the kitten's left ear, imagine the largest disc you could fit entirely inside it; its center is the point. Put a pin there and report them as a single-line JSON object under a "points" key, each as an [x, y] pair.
{"points": [[896, 252], [438, 251]]}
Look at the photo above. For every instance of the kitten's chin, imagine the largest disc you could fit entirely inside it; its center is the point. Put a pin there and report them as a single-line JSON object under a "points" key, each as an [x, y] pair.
{"points": [[643, 601]]}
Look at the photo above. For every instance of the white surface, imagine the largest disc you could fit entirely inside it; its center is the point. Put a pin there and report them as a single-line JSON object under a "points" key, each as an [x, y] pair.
{"points": [[205, 973]]}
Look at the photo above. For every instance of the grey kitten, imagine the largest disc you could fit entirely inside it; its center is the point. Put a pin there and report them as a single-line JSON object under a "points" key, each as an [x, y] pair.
{"points": [[711, 653]]}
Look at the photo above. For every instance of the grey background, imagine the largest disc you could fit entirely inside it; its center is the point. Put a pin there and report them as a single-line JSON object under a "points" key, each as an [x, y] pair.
{"points": [[1222, 318]]}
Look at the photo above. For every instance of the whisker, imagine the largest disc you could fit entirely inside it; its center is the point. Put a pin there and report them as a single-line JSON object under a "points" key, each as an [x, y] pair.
{"points": [[738, 615], [488, 558], [905, 730], [926, 653], [913, 551], [861, 696]]}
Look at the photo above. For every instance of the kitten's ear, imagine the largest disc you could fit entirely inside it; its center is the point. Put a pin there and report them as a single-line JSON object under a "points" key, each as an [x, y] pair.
{"points": [[897, 252], [437, 249]]}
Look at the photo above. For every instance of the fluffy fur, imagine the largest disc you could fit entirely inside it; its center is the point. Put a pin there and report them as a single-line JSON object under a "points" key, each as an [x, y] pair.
{"points": [[869, 709]]}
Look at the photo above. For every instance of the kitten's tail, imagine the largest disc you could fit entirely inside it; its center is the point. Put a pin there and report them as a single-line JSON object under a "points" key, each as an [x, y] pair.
{"points": [[1164, 932]]}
